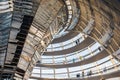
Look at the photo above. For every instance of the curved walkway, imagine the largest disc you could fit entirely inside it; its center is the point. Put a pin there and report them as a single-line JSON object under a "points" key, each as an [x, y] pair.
{"points": [[64, 38], [106, 76], [85, 61], [80, 46]]}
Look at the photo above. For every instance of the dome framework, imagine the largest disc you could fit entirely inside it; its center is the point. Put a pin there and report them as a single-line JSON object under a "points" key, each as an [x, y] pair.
{"points": [[59, 39]]}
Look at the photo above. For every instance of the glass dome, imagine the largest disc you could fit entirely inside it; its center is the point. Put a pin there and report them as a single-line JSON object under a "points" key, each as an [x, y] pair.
{"points": [[82, 56], [59, 39], [92, 60]]}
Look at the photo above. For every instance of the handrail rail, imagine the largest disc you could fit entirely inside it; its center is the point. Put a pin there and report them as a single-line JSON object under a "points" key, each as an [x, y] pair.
{"points": [[108, 68], [76, 59], [68, 43], [88, 67]]}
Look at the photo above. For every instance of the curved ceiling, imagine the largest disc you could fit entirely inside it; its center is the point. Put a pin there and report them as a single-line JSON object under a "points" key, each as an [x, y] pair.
{"points": [[28, 27], [97, 23]]}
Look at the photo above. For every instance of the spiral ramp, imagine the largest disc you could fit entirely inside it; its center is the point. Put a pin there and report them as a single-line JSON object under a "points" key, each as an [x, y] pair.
{"points": [[59, 39]]}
